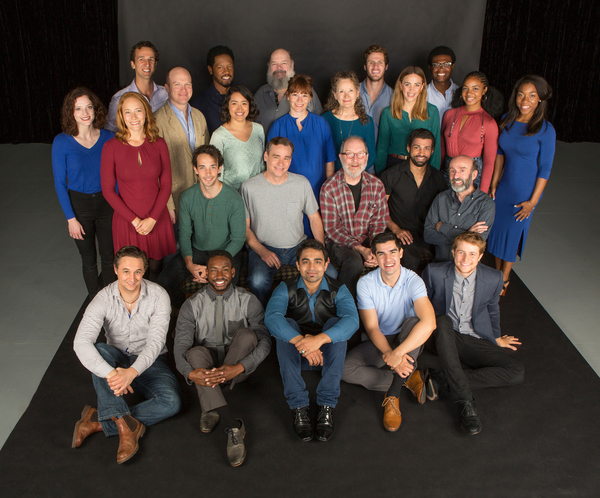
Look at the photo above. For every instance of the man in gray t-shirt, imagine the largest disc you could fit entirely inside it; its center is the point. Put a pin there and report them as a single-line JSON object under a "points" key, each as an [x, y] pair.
{"points": [[275, 202]]}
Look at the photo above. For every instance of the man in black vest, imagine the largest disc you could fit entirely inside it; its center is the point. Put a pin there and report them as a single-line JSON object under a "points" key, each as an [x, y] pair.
{"points": [[311, 317]]}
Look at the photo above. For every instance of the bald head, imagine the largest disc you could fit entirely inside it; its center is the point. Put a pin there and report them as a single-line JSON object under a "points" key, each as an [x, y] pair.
{"points": [[178, 84], [462, 171], [280, 69]]}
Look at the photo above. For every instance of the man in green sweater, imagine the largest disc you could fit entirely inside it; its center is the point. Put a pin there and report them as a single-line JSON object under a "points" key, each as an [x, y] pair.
{"points": [[211, 216]]}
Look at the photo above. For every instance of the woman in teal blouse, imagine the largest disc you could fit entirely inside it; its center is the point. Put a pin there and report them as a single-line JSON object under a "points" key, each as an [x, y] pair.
{"points": [[408, 111]]}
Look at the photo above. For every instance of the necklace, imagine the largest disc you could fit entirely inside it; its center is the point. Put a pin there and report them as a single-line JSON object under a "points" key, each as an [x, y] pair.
{"points": [[349, 132]]}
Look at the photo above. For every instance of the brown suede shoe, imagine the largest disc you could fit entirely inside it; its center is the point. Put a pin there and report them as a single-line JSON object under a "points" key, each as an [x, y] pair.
{"points": [[392, 418], [128, 439], [84, 426], [415, 385]]}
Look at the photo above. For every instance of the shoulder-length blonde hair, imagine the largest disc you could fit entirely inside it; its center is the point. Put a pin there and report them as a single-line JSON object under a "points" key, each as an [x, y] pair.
{"points": [[420, 109], [150, 128]]}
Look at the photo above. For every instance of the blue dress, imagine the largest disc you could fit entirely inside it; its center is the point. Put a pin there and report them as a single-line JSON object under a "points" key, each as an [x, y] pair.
{"points": [[526, 158]]}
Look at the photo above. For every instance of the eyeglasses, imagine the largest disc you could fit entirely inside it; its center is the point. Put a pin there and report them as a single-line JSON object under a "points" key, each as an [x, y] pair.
{"points": [[352, 155], [438, 65]]}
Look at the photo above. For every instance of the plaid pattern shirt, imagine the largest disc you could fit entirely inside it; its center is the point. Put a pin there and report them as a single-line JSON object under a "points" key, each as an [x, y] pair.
{"points": [[345, 226]]}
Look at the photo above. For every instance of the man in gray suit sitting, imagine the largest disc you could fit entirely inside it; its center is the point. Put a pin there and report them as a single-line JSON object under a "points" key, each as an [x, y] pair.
{"points": [[465, 297]]}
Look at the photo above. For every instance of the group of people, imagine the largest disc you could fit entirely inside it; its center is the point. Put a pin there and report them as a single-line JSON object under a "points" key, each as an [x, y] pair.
{"points": [[360, 200]]}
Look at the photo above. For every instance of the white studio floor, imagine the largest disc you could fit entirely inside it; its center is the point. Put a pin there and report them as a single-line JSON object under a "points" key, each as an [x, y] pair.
{"points": [[42, 288]]}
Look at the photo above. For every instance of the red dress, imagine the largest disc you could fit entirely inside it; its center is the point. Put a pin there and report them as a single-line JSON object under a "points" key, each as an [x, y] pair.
{"points": [[143, 192]]}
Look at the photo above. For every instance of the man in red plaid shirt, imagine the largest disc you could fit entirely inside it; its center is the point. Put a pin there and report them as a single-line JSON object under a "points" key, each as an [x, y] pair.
{"points": [[354, 210]]}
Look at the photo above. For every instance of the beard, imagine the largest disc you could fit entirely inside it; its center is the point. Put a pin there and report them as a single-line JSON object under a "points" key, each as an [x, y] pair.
{"points": [[353, 174], [461, 188], [419, 162], [279, 83]]}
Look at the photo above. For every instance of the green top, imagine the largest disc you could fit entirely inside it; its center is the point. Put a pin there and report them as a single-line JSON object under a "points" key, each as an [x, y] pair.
{"points": [[393, 134], [210, 224]]}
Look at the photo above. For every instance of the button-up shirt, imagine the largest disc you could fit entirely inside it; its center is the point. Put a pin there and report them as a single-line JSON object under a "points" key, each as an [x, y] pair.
{"points": [[456, 217], [142, 334], [461, 308], [158, 99], [442, 102], [188, 125], [209, 103], [196, 325], [343, 224], [374, 109]]}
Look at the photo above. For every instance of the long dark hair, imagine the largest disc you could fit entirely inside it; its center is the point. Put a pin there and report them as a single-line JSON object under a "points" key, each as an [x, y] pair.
{"points": [[493, 101], [544, 91], [253, 111], [67, 121], [333, 104]]}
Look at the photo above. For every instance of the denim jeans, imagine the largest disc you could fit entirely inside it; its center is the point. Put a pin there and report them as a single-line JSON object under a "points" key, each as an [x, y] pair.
{"points": [[291, 364], [175, 272], [157, 384], [95, 215]]}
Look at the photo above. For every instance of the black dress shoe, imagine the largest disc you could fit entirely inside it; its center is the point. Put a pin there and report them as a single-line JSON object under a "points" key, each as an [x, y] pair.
{"points": [[469, 421], [302, 425], [325, 423]]}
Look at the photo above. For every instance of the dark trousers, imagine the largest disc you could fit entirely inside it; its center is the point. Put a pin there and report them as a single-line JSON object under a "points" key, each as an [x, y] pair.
{"points": [[489, 364], [418, 255], [95, 215], [349, 264], [175, 272]]}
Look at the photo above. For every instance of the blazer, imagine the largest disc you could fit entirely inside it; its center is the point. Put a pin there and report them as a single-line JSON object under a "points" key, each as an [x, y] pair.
{"points": [[439, 279], [180, 154]]}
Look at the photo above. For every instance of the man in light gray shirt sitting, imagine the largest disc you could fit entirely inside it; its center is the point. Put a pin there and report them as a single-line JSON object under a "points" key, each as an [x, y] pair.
{"points": [[220, 339], [271, 98], [275, 203], [135, 316]]}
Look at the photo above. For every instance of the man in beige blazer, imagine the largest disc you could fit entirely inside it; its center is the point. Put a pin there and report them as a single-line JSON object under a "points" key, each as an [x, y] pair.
{"points": [[183, 128]]}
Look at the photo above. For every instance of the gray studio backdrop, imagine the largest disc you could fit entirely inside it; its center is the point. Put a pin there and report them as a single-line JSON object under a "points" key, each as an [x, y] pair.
{"points": [[323, 36]]}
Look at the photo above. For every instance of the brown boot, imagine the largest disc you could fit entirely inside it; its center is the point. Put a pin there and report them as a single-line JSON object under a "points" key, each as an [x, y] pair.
{"points": [[128, 439], [84, 426], [415, 385], [392, 418]]}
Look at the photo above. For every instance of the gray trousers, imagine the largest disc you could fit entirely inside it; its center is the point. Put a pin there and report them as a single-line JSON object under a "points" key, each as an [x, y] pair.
{"points": [[243, 343], [364, 364]]}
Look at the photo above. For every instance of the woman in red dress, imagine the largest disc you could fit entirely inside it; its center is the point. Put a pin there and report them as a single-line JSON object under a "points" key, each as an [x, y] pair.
{"points": [[136, 181]]}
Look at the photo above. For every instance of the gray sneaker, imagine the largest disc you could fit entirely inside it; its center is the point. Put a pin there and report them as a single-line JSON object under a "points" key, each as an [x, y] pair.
{"points": [[236, 450], [208, 421]]}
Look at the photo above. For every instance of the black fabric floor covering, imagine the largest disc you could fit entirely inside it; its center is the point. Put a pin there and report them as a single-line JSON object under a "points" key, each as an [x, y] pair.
{"points": [[539, 439]]}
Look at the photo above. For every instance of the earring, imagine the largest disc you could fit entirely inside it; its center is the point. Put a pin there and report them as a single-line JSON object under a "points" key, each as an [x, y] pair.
{"points": [[484, 98], [539, 101]]}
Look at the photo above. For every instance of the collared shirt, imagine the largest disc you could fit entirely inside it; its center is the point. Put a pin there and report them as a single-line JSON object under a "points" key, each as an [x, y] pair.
{"points": [[271, 110], [374, 109], [408, 203], [442, 102], [142, 334], [209, 103], [392, 304], [344, 305], [158, 99], [461, 308], [342, 223], [188, 126], [196, 325], [456, 217]]}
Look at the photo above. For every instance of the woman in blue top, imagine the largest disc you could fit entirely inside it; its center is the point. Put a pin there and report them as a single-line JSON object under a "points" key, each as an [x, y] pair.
{"points": [[525, 154], [408, 111], [76, 157], [347, 116]]}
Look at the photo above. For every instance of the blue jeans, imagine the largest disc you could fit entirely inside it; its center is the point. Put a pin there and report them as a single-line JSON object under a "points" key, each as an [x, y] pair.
{"points": [[260, 274], [291, 364], [157, 384]]}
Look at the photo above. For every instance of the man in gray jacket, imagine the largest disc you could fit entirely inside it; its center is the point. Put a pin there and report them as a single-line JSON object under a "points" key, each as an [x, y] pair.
{"points": [[220, 339]]}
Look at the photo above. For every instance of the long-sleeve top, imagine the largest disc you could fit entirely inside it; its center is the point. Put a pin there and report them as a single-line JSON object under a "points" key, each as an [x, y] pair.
{"points": [[442, 102], [344, 305], [456, 217], [340, 130], [76, 168], [210, 224], [143, 333], [374, 109], [478, 137], [196, 325], [393, 135], [157, 100], [343, 224], [209, 103]]}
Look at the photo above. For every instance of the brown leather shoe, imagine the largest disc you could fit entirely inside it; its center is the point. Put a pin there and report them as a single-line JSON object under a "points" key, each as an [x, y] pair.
{"points": [[392, 418], [128, 439], [417, 387], [84, 426]]}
